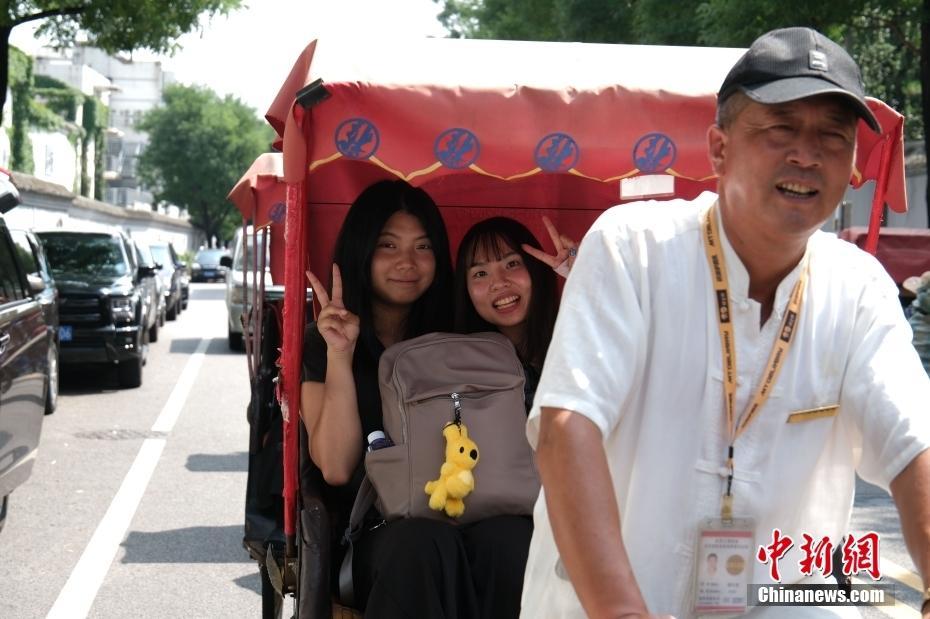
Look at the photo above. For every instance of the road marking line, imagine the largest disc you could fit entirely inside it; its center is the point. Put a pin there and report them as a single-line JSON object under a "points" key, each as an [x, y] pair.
{"points": [[900, 610], [172, 409], [902, 574], [80, 591]]}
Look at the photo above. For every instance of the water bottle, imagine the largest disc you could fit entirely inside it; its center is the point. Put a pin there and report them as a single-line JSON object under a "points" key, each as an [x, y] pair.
{"points": [[378, 440]]}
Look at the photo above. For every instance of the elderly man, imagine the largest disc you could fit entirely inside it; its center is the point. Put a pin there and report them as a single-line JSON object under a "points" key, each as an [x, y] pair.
{"points": [[734, 371]]}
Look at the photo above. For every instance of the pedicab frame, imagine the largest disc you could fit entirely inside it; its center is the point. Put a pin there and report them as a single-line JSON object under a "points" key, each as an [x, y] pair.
{"points": [[487, 128]]}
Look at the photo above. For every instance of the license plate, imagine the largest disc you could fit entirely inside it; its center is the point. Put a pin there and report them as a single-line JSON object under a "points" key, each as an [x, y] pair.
{"points": [[65, 333], [209, 273]]}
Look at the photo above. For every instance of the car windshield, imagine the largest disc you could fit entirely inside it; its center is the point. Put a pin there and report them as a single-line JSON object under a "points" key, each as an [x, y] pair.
{"points": [[161, 255], [145, 256], [74, 253], [245, 257], [209, 256]]}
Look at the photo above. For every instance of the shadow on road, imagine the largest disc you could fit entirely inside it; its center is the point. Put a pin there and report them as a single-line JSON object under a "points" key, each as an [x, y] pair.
{"points": [[252, 582], [188, 545], [218, 463]]}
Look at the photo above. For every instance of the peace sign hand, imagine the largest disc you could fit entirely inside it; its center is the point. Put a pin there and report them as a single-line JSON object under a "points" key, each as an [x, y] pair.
{"points": [[565, 250], [338, 326]]}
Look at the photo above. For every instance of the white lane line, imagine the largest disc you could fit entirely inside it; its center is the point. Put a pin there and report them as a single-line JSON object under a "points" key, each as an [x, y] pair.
{"points": [[169, 414], [902, 574], [80, 591]]}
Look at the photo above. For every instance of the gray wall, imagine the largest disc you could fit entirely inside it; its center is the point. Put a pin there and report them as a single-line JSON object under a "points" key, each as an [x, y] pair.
{"points": [[47, 206]]}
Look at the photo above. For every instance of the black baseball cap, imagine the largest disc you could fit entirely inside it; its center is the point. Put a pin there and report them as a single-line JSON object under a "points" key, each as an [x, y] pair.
{"points": [[795, 63]]}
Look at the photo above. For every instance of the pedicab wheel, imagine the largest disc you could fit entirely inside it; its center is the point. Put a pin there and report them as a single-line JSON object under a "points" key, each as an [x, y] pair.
{"points": [[272, 602]]}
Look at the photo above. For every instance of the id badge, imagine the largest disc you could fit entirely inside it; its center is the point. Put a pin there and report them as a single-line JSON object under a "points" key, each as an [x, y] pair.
{"points": [[723, 566]]}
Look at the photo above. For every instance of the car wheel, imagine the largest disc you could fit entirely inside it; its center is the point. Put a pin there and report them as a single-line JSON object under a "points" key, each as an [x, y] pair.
{"points": [[153, 332], [161, 317], [130, 373], [235, 341], [172, 313], [51, 387]]}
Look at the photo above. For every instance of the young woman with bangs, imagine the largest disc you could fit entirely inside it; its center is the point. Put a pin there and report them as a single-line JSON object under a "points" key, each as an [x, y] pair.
{"points": [[505, 282]]}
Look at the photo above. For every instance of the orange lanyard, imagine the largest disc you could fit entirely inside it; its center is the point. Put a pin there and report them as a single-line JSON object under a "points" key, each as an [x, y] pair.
{"points": [[718, 272]]}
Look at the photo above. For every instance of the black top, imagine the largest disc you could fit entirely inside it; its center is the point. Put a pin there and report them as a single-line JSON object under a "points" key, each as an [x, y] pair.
{"points": [[339, 499], [530, 382]]}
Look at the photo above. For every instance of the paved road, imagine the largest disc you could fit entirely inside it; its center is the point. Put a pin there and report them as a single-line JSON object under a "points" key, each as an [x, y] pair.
{"points": [[874, 511], [135, 505], [174, 549]]}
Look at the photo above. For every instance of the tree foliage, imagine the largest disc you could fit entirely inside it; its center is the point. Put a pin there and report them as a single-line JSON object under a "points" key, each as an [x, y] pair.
{"points": [[113, 25], [199, 144]]}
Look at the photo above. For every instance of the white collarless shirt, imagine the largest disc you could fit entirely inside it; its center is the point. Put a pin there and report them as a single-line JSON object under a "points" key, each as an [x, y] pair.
{"points": [[636, 350]]}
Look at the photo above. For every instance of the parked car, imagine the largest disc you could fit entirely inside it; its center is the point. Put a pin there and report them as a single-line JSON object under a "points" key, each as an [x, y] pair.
{"points": [[207, 267], [32, 259], [153, 299], [24, 367], [100, 287], [173, 275], [238, 287]]}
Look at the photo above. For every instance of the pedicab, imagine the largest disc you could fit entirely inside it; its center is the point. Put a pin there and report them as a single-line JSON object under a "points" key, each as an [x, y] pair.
{"points": [[487, 128]]}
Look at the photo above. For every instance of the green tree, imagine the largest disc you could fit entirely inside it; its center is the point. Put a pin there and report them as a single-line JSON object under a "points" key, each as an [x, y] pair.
{"points": [[889, 38], [113, 25], [199, 144]]}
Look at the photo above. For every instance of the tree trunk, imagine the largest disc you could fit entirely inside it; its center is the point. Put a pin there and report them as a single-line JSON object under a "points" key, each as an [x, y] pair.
{"points": [[925, 93], [4, 66]]}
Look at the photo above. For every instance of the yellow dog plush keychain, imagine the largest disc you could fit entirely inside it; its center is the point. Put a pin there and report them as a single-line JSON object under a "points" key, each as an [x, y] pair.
{"points": [[455, 477]]}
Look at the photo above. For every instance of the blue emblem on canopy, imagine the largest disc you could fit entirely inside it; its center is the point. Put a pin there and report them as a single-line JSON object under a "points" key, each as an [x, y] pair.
{"points": [[457, 148], [654, 153], [277, 212], [557, 152], [357, 138]]}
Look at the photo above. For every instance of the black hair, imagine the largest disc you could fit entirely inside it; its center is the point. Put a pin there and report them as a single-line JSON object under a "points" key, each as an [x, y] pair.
{"points": [[355, 246], [487, 237]]}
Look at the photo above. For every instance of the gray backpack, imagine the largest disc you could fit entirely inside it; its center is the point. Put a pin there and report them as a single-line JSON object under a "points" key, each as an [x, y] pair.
{"points": [[427, 383]]}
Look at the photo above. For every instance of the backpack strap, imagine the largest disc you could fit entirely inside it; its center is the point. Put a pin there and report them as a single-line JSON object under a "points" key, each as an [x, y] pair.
{"points": [[363, 501]]}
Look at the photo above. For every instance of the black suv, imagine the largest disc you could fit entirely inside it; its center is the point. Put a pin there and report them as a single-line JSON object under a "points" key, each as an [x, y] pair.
{"points": [[101, 291], [24, 346]]}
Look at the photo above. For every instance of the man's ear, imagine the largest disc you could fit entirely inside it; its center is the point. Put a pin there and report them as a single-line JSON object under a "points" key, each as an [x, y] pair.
{"points": [[716, 148]]}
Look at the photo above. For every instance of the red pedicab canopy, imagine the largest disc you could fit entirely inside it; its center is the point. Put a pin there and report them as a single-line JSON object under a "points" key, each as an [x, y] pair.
{"points": [[260, 197], [517, 128], [492, 127]]}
